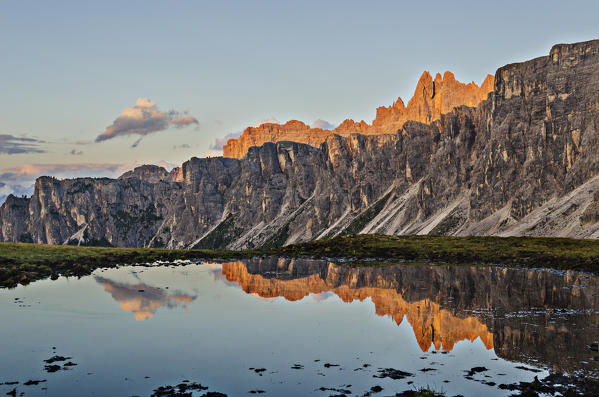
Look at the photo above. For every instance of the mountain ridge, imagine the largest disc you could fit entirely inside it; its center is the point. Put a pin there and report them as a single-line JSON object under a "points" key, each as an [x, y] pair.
{"points": [[523, 162], [431, 98]]}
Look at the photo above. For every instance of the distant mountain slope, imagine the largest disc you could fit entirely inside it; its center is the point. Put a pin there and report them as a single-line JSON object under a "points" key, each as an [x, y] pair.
{"points": [[431, 99], [523, 162]]}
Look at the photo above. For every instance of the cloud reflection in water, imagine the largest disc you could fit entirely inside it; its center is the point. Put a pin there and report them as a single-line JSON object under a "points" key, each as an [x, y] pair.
{"points": [[141, 299]]}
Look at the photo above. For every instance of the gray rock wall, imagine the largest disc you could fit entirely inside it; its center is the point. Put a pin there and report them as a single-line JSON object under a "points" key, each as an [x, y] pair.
{"points": [[523, 162]]}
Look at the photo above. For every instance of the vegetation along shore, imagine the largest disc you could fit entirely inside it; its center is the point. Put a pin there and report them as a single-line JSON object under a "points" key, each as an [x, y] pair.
{"points": [[21, 263]]}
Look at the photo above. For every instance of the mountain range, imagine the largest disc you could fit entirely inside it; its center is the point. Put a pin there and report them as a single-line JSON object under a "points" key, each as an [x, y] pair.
{"points": [[516, 156]]}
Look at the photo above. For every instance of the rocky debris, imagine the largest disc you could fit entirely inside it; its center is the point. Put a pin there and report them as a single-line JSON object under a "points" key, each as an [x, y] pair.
{"points": [[259, 371], [52, 367], [34, 382], [56, 358], [475, 370], [522, 162], [337, 390], [392, 373], [420, 393], [182, 389], [522, 367], [556, 384]]}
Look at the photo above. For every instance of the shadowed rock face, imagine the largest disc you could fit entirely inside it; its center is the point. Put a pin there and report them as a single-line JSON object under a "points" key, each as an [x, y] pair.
{"points": [[431, 99], [525, 315], [523, 162]]}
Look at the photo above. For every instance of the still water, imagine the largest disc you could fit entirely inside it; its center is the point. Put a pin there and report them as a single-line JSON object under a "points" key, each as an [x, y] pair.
{"points": [[300, 325]]}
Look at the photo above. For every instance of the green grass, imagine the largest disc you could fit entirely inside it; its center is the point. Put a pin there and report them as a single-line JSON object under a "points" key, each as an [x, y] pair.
{"points": [[365, 217], [225, 232], [558, 253], [23, 263]]}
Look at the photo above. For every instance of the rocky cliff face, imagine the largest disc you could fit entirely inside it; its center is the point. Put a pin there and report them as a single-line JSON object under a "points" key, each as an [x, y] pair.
{"points": [[523, 162], [431, 99], [523, 314]]}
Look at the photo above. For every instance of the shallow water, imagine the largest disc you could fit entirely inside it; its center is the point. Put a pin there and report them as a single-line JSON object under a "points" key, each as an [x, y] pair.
{"points": [[132, 329]]}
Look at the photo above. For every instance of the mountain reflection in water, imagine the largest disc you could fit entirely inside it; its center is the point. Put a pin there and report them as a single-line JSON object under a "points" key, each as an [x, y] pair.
{"points": [[141, 299], [431, 324], [528, 315]]}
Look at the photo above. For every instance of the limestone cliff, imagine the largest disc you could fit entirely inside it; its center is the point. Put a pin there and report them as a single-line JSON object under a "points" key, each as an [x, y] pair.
{"points": [[523, 162], [431, 99]]}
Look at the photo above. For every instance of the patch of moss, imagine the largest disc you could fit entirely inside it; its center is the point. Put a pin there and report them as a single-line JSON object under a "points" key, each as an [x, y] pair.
{"points": [[220, 236], [450, 223], [365, 217], [279, 238]]}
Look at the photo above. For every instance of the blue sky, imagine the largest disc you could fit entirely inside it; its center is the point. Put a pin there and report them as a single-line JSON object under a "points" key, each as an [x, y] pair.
{"points": [[70, 68]]}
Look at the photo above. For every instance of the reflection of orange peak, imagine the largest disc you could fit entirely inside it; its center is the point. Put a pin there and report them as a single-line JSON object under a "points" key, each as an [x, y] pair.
{"points": [[431, 324], [431, 99]]}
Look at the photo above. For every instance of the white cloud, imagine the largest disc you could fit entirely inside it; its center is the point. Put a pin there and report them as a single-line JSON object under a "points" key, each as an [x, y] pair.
{"points": [[143, 119], [271, 120], [220, 142]]}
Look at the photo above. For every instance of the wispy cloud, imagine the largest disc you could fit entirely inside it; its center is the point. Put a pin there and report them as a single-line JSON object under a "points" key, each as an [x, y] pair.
{"points": [[271, 120], [220, 142], [10, 144], [143, 119]]}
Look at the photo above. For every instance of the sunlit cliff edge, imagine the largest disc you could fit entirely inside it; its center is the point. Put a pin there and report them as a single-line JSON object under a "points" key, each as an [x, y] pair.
{"points": [[431, 99]]}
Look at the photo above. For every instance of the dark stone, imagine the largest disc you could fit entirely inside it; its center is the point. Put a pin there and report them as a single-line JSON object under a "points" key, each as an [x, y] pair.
{"points": [[54, 359], [33, 382], [392, 373]]}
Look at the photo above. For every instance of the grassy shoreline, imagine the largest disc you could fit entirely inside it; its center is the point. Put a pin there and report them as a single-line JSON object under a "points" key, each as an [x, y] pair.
{"points": [[21, 263]]}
